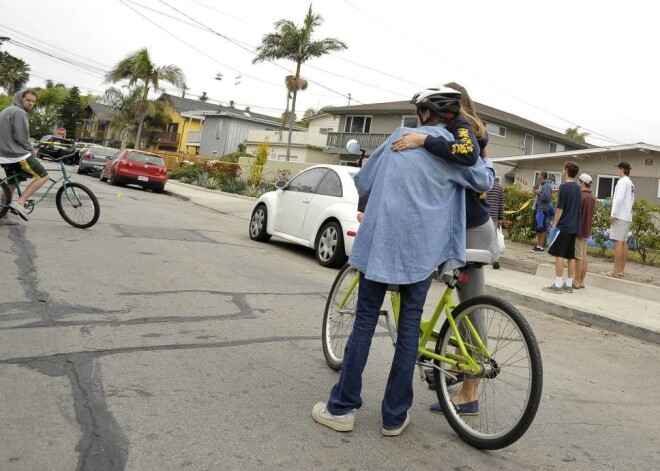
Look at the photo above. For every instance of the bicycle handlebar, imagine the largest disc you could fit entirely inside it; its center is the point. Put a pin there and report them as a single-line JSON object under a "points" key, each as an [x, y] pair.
{"points": [[59, 158]]}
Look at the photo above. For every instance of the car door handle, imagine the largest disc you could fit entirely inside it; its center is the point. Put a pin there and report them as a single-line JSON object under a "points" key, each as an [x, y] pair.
{"points": [[307, 200]]}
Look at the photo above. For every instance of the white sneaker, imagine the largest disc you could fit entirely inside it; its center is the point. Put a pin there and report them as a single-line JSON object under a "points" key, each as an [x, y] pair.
{"points": [[340, 423], [395, 432], [20, 210]]}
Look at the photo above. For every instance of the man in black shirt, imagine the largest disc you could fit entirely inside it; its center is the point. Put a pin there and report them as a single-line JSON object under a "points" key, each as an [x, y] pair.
{"points": [[567, 225]]}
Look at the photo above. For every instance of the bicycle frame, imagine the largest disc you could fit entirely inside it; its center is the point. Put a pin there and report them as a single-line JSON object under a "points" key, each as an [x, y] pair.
{"points": [[464, 361], [14, 179]]}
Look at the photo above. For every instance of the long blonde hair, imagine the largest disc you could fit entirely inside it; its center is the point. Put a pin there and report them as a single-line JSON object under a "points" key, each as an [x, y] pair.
{"points": [[468, 110]]}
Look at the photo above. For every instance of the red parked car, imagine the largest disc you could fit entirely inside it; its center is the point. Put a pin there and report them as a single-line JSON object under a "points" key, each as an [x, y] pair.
{"points": [[138, 167]]}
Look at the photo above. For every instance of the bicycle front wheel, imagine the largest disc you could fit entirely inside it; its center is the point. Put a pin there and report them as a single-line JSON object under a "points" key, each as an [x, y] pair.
{"points": [[5, 199], [77, 205], [508, 390]]}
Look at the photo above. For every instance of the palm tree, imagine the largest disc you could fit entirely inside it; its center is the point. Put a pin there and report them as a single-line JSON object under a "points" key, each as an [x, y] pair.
{"points": [[204, 97], [576, 134], [124, 105], [14, 72], [138, 67], [295, 44]]}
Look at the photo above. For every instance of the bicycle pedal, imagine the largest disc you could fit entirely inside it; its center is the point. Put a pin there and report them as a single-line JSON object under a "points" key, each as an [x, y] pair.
{"points": [[29, 206]]}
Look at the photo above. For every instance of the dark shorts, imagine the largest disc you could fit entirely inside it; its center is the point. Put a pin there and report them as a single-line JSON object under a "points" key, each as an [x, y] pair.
{"points": [[541, 221], [28, 168], [562, 245]]}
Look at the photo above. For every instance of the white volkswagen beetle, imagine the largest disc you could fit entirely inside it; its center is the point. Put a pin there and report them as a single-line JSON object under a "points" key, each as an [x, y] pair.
{"points": [[317, 208]]}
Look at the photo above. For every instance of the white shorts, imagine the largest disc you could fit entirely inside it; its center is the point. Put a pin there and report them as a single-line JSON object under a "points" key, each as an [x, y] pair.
{"points": [[619, 230]]}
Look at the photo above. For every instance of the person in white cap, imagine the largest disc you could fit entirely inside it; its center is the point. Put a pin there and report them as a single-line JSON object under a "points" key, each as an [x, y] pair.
{"points": [[586, 221]]}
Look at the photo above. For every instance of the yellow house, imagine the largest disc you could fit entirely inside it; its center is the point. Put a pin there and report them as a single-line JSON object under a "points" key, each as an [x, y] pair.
{"points": [[184, 131]]}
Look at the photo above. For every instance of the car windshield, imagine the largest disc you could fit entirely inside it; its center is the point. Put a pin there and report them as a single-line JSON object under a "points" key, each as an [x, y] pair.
{"points": [[146, 158]]}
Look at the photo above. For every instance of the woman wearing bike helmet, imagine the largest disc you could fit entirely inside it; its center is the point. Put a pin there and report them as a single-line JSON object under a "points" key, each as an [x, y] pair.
{"points": [[469, 144]]}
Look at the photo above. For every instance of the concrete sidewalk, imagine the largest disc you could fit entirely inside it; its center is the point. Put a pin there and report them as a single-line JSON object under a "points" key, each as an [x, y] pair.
{"points": [[620, 306]]}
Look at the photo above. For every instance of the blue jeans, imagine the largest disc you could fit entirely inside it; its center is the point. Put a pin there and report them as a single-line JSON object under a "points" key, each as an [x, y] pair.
{"points": [[345, 395]]}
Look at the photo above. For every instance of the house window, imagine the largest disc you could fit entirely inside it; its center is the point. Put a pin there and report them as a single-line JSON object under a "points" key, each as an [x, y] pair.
{"points": [[528, 145], [360, 124], [658, 188], [606, 186], [496, 129], [554, 147], [409, 122], [173, 127]]}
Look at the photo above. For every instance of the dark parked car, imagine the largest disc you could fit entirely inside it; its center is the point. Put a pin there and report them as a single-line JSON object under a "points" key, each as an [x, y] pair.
{"points": [[137, 167], [55, 147], [93, 159]]}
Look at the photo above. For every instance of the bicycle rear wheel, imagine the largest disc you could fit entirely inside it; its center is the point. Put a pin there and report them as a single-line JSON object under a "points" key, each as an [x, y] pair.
{"points": [[509, 388], [5, 199], [77, 205], [339, 315]]}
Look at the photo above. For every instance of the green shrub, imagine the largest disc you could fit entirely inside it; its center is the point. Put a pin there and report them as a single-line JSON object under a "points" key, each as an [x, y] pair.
{"points": [[284, 174], [236, 186], [645, 230], [187, 172], [601, 225], [235, 156], [260, 157], [222, 171], [518, 213]]}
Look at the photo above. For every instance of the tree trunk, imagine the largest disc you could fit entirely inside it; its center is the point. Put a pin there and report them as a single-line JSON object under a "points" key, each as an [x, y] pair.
{"points": [[293, 114], [138, 138], [142, 113]]}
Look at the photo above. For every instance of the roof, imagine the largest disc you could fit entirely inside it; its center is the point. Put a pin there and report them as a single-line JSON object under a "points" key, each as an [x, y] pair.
{"points": [[487, 113], [103, 112], [575, 153], [188, 105]]}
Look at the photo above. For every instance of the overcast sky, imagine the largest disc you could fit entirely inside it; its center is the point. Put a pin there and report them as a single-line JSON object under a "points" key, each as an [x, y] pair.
{"points": [[559, 63]]}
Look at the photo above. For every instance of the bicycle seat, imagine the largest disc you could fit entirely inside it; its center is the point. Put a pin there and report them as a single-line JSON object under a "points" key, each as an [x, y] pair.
{"points": [[478, 257]]}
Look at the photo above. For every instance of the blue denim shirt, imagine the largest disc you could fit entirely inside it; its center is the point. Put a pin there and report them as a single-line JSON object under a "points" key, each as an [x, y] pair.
{"points": [[415, 221]]}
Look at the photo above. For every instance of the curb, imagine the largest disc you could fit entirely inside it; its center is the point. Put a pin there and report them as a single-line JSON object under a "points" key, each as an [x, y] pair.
{"points": [[580, 316], [208, 190]]}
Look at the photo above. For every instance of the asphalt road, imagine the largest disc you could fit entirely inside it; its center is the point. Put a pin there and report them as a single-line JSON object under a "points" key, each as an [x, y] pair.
{"points": [[163, 338]]}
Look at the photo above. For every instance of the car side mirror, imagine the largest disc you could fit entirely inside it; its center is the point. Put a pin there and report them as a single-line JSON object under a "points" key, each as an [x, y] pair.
{"points": [[280, 184]]}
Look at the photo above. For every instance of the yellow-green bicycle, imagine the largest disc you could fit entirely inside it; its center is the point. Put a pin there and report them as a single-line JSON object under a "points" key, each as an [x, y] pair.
{"points": [[484, 339]]}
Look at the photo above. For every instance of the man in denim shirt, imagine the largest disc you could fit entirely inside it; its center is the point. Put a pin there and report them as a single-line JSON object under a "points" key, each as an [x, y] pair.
{"points": [[542, 211], [415, 222]]}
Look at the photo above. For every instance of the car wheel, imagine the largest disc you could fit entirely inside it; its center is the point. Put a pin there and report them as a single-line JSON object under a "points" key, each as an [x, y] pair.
{"points": [[258, 223], [114, 180], [102, 178], [158, 189], [329, 246], [80, 172]]}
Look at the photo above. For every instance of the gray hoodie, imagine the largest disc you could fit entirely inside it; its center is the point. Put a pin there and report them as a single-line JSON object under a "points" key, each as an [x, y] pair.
{"points": [[15, 130]]}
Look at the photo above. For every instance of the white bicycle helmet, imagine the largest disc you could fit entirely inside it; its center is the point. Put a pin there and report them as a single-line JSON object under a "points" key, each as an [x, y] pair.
{"points": [[438, 100]]}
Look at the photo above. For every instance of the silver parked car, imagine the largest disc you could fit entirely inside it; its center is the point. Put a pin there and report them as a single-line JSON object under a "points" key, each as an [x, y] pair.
{"points": [[94, 158]]}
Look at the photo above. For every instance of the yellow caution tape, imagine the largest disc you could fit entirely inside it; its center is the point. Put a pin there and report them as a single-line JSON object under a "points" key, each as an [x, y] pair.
{"points": [[519, 209]]}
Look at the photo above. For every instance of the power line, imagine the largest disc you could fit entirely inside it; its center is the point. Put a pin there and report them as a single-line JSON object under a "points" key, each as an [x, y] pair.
{"points": [[435, 53]]}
